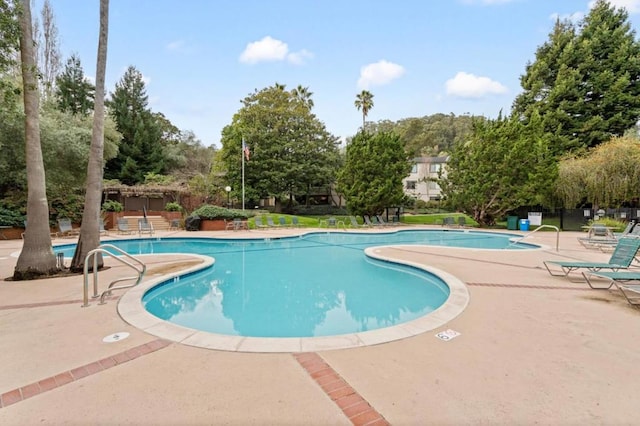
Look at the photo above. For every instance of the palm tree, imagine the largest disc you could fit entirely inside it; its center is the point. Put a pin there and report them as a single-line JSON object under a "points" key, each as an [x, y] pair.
{"points": [[303, 95], [36, 257], [364, 102], [90, 230]]}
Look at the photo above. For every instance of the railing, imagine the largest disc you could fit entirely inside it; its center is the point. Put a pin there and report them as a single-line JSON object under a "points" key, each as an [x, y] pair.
{"points": [[517, 240], [140, 268]]}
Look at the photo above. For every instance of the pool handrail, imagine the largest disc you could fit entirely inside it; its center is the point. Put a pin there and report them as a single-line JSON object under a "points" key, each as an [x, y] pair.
{"points": [[103, 249], [517, 240]]}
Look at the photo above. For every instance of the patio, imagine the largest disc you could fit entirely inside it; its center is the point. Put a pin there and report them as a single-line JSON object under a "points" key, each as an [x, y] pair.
{"points": [[532, 349]]}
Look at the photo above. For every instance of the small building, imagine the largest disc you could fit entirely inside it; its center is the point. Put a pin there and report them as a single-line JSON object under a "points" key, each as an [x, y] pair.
{"points": [[421, 183]]}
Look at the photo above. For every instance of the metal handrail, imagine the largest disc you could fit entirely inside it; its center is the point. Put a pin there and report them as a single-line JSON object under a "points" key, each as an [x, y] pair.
{"points": [[517, 240], [103, 249]]}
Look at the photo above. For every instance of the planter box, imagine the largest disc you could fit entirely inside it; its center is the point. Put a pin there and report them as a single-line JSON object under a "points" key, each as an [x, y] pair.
{"points": [[212, 225], [111, 219], [11, 233]]}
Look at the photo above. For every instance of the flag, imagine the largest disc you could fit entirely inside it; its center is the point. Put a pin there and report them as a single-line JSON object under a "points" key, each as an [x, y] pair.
{"points": [[246, 150]]}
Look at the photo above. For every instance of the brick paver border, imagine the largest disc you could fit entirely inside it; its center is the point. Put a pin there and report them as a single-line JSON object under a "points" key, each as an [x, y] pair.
{"points": [[66, 377], [354, 406]]}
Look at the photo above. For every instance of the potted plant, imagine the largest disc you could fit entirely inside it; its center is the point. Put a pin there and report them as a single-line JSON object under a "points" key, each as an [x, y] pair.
{"points": [[111, 211], [172, 211], [213, 218]]}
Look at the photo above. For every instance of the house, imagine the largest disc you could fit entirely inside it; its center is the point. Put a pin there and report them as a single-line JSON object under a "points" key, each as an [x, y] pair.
{"points": [[421, 183]]}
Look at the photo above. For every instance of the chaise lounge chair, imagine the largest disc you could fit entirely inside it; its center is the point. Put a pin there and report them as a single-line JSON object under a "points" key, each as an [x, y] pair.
{"points": [[258, 223], [621, 258], [123, 226], [622, 280], [66, 229], [355, 224], [145, 227]]}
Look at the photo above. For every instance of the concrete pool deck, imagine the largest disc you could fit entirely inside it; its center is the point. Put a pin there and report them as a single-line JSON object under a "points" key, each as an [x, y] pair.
{"points": [[532, 349]]}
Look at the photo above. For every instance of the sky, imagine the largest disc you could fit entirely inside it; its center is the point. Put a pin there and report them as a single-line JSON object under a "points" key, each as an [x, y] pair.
{"points": [[200, 58]]}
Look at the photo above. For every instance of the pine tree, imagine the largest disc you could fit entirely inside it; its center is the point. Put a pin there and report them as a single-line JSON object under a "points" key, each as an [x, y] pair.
{"points": [[141, 148], [74, 92], [585, 81]]}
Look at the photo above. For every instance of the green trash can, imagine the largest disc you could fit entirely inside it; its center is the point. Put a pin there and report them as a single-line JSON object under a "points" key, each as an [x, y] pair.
{"points": [[512, 223]]}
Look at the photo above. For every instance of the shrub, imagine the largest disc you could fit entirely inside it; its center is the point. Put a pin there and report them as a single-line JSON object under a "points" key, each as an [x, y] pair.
{"points": [[216, 212], [173, 207], [112, 206], [11, 218]]}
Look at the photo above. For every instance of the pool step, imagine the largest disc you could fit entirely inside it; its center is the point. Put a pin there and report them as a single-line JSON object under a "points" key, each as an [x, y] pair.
{"points": [[159, 223]]}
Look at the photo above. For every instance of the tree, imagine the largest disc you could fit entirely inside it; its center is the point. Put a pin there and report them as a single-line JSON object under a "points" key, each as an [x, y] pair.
{"points": [[90, 229], [302, 94], [608, 176], [371, 178], [74, 92], [291, 150], [504, 164], [141, 149], [48, 49], [37, 257], [585, 82], [364, 102], [9, 33]]}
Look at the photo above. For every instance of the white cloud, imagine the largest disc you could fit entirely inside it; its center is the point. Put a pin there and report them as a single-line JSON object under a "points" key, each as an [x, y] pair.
{"points": [[379, 73], [632, 6], [465, 85], [298, 58], [271, 49], [176, 45]]}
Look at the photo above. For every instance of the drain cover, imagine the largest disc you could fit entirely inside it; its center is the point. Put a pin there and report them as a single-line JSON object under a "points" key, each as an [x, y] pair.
{"points": [[115, 337]]}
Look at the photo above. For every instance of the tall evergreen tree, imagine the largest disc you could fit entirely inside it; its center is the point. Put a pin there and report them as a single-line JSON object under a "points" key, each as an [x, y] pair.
{"points": [[74, 92], [371, 178], [585, 82], [141, 147]]}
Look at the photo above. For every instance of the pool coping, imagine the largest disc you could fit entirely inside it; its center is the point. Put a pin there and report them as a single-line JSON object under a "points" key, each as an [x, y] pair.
{"points": [[132, 311]]}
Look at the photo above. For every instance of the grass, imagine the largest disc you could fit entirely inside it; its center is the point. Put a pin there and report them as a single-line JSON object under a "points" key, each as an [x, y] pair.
{"points": [[314, 221]]}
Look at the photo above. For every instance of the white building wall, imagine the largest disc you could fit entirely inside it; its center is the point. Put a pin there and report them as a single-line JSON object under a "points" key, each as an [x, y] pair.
{"points": [[419, 184]]}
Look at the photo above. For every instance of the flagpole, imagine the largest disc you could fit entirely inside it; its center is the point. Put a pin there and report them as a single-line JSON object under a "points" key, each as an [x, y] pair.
{"points": [[242, 155]]}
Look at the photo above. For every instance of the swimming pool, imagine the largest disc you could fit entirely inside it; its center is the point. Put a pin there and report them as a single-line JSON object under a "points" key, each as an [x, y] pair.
{"points": [[315, 285]]}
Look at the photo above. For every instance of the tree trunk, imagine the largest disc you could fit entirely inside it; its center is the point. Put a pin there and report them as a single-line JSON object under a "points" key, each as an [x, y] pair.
{"points": [[90, 229], [37, 257]]}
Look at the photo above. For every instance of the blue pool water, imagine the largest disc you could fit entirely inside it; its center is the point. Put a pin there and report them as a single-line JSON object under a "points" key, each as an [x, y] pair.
{"points": [[315, 285]]}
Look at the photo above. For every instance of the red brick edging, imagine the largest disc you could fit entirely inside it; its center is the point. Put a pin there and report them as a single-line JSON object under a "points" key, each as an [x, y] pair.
{"points": [[355, 407], [33, 389]]}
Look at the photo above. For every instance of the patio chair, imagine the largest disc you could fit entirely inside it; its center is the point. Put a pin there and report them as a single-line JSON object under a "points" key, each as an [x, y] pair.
{"points": [[382, 222], [123, 226], [145, 227], [102, 229], [295, 222], [367, 220], [270, 223], [283, 222], [599, 234], [621, 258], [619, 278], [259, 224], [448, 221], [174, 225], [66, 229], [355, 224], [462, 222]]}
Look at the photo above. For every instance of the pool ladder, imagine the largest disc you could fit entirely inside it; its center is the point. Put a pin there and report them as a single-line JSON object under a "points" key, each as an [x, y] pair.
{"points": [[517, 240], [135, 264]]}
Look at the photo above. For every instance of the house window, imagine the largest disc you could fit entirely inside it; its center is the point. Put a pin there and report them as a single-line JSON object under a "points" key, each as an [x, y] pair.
{"points": [[433, 185], [411, 184], [434, 168], [414, 168]]}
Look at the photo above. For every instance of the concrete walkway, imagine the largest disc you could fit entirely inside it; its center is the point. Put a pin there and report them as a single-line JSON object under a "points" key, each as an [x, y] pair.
{"points": [[532, 349]]}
